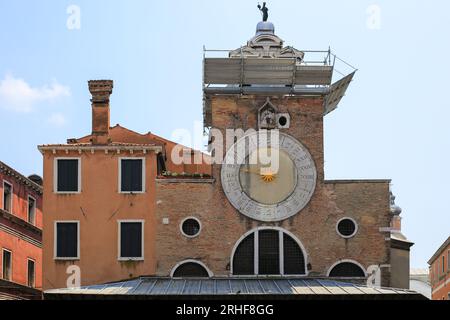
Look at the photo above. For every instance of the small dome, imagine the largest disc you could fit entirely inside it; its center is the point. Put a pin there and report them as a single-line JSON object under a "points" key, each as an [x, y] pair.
{"points": [[265, 27], [396, 210]]}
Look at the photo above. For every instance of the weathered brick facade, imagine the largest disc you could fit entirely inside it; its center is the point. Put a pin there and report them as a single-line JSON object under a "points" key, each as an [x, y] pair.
{"points": [[367, 202]]}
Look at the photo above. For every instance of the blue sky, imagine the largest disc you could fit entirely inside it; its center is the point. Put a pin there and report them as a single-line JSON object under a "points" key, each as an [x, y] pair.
{"points": [[392, 123]]}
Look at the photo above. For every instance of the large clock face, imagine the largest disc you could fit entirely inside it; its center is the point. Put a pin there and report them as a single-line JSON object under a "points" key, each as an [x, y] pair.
{"points": [[267, 181]]}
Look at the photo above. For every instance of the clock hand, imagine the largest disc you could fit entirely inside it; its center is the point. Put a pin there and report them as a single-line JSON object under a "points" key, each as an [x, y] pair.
{"points": [[267, 177], [252, 171]]}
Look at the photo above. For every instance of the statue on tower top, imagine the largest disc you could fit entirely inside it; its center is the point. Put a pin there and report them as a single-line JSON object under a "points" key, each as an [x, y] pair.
{"points": [[264, 10]]}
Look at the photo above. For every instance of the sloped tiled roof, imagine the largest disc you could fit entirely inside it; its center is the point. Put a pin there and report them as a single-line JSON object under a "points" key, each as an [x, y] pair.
{"points": [[298, 287]]}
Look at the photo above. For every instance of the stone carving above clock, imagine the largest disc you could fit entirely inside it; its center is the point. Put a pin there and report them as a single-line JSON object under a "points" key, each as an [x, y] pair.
{"points": [[263, 191], [269, 118]]}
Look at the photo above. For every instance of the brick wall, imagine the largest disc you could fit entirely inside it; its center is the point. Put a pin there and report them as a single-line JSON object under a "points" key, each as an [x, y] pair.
{"points": [[367, 202], [315, 226]]}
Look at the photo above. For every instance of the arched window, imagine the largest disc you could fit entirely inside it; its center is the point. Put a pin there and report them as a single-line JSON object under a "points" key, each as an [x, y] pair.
{"points": [[190, 269], [347, 269], [268, 251]]}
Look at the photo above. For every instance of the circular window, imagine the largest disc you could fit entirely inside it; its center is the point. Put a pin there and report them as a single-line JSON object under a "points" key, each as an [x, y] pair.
{"points": [[190, 227], [346, 227], [282, 121]]}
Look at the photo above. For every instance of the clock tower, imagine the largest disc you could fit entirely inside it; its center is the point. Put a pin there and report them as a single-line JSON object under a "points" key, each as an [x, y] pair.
{"points": [[254, 217], [267, 88]]}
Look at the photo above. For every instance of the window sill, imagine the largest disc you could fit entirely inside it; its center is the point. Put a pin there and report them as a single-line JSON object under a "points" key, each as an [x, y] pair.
{"points": [[67, 192], [66, 259], [130, 259], [131, 192]]}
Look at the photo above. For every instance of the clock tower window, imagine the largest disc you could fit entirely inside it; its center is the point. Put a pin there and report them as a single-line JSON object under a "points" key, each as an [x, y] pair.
{"points": [[268, 251]]}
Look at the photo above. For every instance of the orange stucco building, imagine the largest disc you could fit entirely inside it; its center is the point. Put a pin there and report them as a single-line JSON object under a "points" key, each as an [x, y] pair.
{"points": [[90, 203], [440, 272], [20, 233]]}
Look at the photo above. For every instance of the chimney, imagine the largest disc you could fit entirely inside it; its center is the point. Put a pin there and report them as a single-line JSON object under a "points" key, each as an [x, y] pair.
{"points": [[100, 91]]}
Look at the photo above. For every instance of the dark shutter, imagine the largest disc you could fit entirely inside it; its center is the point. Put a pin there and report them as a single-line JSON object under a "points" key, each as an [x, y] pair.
{"points": [[190, 270], [68, 175], [161, 165], [31, 210], [7, 197], [6, 265], [131, 180], [294, 261], [269, 252], [347, 269], [31, 273], [244, 257], [131, 240], [67, 240]]}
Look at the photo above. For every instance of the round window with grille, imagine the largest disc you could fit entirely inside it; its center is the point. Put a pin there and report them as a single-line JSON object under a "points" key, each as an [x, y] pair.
{"points": [[347, 227], [190, 227]]}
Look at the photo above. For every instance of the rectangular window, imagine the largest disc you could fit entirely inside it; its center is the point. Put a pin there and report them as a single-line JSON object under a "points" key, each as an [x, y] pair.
{"points": [[67, 240], [67, 175], [7, 197], [443, 264], [132, 175], [131, 240], [7, 265], [31, 273], [31, 210]]}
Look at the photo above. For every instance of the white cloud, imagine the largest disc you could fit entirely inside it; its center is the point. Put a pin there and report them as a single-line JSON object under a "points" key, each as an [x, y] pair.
{"points": [[57, 120], [17, 95]]}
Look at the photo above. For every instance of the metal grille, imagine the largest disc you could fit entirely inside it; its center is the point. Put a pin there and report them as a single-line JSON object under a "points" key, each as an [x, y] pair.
{"points": [[269, 252], [191, 227], [346, 227], [190, 270], [347, 269], [243, 260], [294, 261]]}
